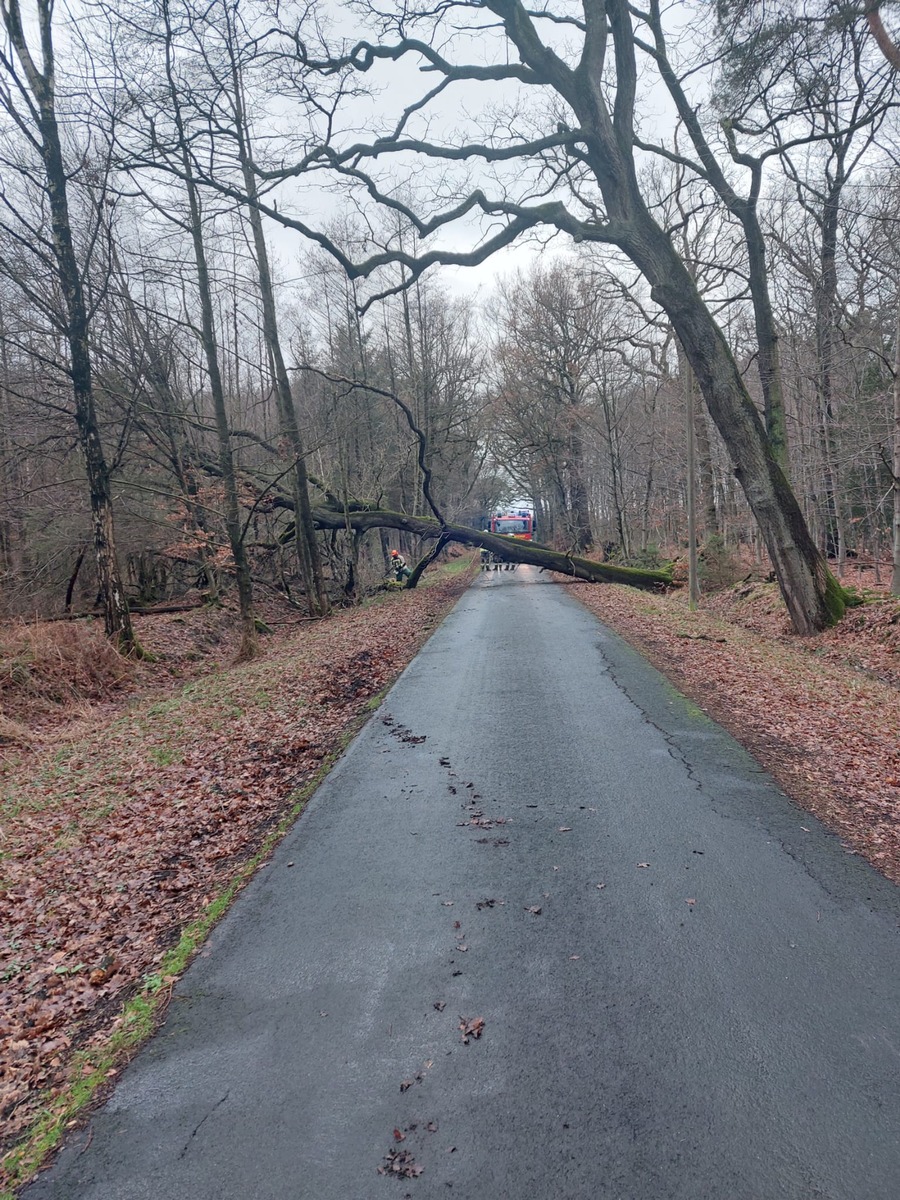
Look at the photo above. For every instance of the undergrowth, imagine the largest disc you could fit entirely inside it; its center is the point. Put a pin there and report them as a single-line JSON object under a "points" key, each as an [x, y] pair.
{"points": [[47, 664]]}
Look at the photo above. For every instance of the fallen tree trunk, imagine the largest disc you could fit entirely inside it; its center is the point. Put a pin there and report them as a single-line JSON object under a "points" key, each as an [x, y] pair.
{"points": [[508, 549]]}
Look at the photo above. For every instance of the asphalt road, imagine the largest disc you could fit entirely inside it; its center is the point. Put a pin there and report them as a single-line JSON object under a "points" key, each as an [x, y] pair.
{"points": [[720, 1019]]}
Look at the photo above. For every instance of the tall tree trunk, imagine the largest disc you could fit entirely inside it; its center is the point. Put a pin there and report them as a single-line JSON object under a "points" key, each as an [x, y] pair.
{"points": [[249, 635], [42, 86], [826, 316], [705, 479], [617, 490], [691, 421], [580, 516], [745, 209], [307, 543], [895, 545], [415, 385], [813, 597], [767, 347], [12, 543]]}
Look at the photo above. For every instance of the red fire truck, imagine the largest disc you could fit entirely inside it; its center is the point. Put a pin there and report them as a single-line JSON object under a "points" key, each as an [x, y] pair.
{"points": [[518, 525]]}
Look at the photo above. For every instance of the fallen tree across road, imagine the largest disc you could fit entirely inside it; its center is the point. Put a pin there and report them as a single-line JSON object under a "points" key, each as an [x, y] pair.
{"points": [[508, 549]]}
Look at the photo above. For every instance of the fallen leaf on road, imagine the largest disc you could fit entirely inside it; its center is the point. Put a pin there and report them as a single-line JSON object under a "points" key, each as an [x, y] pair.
{"points": [[601, 886], [402, 1164], [399, 1135], [574, 957], [471, 1027], [643, 864], [690, 901], [462, 949], [534, 908], [565, 829], [440, 1005]]}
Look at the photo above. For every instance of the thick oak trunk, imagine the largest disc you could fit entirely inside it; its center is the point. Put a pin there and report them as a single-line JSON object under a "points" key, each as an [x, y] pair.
{"points": [[813, 597]]}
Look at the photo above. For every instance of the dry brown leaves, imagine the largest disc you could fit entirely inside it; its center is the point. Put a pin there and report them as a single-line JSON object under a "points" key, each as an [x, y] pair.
{"points": [[822, 713], [47, 666], [113, 842], [471, 1028], [401, 1164]]}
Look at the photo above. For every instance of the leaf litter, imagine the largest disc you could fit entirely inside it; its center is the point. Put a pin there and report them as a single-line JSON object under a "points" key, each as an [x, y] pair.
{"points": [[121, 827], [401, 1164]]}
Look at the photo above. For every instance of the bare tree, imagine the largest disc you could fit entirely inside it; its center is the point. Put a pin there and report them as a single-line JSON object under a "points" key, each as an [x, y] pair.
{"points": [[593, 150], [305, 537], [549, 355], [28, 96]]}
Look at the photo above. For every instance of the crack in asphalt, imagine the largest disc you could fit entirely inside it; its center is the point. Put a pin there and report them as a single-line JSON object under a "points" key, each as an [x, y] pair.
{"points": [[794, 851], [202, 1121], [675, 751]]}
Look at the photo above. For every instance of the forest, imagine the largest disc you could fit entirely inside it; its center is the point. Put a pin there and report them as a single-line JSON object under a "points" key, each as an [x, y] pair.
{"points": [[242, 352], [286, 288]]}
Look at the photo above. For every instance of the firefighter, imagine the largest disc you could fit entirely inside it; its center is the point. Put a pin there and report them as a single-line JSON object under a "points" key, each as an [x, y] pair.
{"points": [[399, 567]]}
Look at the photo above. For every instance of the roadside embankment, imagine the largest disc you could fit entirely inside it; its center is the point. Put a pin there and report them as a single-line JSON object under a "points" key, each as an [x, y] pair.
{"points": [[127, 832]]}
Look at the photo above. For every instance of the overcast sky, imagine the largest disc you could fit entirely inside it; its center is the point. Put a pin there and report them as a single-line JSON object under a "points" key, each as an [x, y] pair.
{"points": [[463, 112]]}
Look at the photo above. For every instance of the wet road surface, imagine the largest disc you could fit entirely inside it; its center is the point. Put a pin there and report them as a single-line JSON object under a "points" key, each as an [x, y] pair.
{"points": [[689, 989]]}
